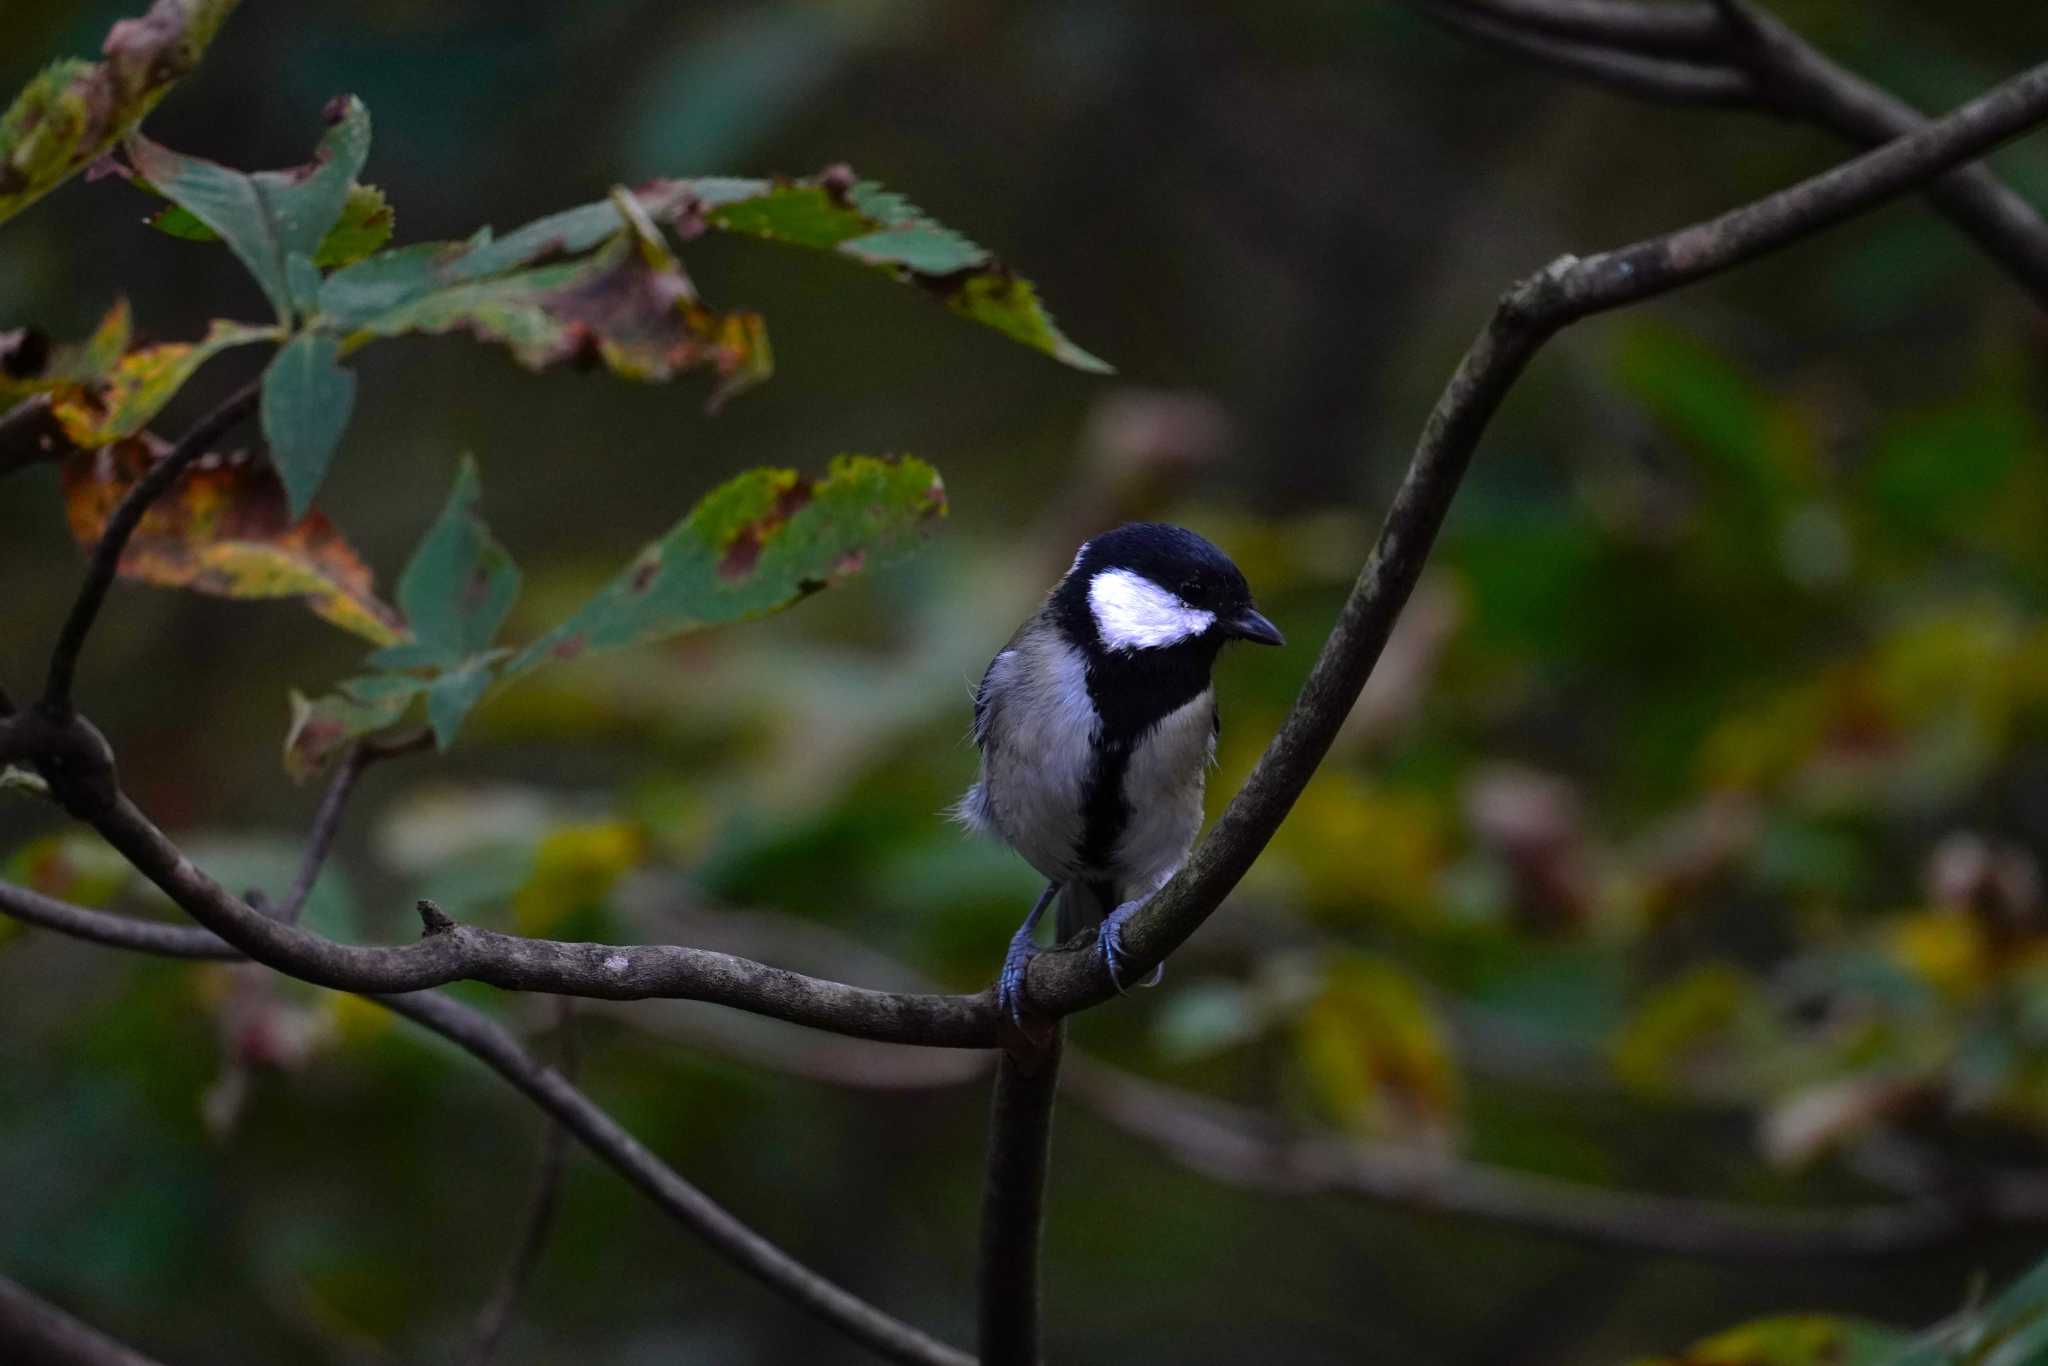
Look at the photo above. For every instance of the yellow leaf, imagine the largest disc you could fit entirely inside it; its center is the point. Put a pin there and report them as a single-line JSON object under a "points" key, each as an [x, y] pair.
{"points": [[574, 869], [1375, 1056]]}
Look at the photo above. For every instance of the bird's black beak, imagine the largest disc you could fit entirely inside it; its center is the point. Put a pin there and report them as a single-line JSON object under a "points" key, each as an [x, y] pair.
{"points": [[1253, 627]]}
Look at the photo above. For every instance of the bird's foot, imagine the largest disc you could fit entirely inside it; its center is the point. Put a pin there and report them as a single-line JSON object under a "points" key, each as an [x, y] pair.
{"points": [[1110, 941], [1026, 1035], [1010, 989]]}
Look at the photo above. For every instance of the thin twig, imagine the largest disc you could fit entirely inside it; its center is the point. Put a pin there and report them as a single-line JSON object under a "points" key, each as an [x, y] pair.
{"points": [[1665, 79], [486, 1040], [1243, 1147], [105, 562], [333, 806], [34, 1332], [1690, 27], [1013, 1204], [496, 1314]]}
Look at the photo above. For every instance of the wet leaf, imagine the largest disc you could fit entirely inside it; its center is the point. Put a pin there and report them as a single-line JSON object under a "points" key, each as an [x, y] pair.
{"points": [[75, 110], [269, 217], [307, 400], [1375, 1055], [1794, 1340], [365, 225], [123, 400], [755, 544], [224, 530]]}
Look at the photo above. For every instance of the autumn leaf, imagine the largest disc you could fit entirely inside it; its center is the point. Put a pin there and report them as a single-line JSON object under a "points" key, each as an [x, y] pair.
{"points": [[1378, 1061], [122, 399], [74, 110], [1793, 1340], [31, 365], [223, 529]]}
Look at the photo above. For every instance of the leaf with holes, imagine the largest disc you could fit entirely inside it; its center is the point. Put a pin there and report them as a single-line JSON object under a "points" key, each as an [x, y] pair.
{"points": [[307, 400], [271, 217], [755, 544], [123, 399], [224, 529], [74, 110]]}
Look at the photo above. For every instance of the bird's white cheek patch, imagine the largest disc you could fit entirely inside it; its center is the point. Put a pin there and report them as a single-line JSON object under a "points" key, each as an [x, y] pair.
{"points": [[1133, 613]]}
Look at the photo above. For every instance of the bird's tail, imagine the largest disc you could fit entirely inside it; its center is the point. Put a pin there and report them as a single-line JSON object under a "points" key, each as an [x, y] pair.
{"points": [[1082, 904]]}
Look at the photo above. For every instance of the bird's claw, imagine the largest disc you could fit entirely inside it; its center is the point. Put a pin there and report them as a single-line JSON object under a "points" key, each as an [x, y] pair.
{"points": [[1025, 1034], [1010, 989], [1109, 940]]}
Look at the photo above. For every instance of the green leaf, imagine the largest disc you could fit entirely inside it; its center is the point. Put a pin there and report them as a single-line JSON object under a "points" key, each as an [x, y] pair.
{"points": [[755, 544], [451, 696], [307, 399], [268, 217], [1375, 1055], [860, 220], [123, 399], [623, 299], [74, 111], [321, 728], [1793, 1340], [458, 587], [365, 225]]}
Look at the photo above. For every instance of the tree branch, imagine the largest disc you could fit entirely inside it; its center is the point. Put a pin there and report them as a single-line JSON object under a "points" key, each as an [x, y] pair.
{"points": [[333, 806], [1785, 76], [496, 1315], [1527, 316], [34, 1332], [1013, 1204], [105, 562], [487, 1041], [1658, 78], [1245, 1148]]}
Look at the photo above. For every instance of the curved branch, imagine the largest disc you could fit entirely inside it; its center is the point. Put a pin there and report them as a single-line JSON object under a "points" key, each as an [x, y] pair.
{"points": [[127, 515], [1013, 1203], [1527, 316], [32, 1330], [1246, 1148], [486, 1040], [1690, 27], [1658, 78]]}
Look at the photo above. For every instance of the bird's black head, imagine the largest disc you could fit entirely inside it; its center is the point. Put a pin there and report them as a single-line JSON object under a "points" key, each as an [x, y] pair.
{"points": [[1148, 589]]}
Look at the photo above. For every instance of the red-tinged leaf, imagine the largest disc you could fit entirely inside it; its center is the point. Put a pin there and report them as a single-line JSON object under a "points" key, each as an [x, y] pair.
{"points": [[224, 530]]}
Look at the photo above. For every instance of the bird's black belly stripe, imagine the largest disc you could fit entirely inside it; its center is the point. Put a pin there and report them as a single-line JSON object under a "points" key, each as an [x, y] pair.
{"points": [[1104, 812]]}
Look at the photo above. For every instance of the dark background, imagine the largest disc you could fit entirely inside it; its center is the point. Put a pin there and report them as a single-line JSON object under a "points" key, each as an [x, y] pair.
{"points": [[1283, 222]]}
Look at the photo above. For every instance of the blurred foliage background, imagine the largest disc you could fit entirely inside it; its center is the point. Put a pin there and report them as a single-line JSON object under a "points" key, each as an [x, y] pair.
{"points": [[1688, 839]]}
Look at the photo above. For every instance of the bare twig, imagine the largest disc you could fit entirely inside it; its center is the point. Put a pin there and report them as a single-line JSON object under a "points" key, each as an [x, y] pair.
{"points": [[34, 1332], [1246, 1148], [496, 1314], [333, 806], [1670, 80], [105, 562], [1013, 1204], [484, 1039], [1780, 74]]}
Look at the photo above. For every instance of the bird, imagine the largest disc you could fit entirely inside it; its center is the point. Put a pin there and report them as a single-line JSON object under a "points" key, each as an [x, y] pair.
{"points": [[1097, 724]]}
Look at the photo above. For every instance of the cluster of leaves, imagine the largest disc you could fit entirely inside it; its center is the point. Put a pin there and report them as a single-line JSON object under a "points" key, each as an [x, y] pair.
{"points": [[601, 283]]}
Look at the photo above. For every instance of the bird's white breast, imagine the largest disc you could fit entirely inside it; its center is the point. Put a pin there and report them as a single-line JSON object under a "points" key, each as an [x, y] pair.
{"points": [[1163, 789]]}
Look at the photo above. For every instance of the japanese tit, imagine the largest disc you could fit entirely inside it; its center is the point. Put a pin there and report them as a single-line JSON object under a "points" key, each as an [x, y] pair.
{"points": [[1097, 724]]}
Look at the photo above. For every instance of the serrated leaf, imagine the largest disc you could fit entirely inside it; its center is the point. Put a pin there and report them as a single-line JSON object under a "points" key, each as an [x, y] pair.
{"points": [[74, 110], [323, 727], [458, 586], [224, 530], [123, 399], [1793, 1340], [307, 400], [1375, 1055], [271, 216], [860, 220], [757, 543]]}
